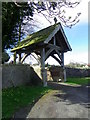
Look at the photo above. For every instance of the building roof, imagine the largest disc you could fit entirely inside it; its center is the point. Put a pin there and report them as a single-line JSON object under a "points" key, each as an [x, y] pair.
{"points": [[44, 36]]}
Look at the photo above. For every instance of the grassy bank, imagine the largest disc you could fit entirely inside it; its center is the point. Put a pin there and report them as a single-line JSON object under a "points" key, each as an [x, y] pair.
{"points": [[15, 98], [79, 81]]}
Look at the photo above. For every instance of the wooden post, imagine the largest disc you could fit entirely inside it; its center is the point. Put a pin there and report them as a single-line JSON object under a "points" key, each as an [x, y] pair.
{"points": [[14, 55], [64, 71], [19, 57], [43, 71]]}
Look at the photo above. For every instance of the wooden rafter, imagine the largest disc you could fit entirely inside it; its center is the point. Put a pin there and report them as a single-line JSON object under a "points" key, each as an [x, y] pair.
{"points": [[24, 57], [49, 52], [58, 53], [53, 46], [37, 59]]}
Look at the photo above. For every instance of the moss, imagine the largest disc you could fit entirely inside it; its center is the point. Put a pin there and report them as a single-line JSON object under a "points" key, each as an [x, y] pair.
{"points": [[37, 37]]}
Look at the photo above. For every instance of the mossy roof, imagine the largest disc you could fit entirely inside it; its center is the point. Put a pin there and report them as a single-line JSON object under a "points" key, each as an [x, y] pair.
{"points": [[36, 37]]}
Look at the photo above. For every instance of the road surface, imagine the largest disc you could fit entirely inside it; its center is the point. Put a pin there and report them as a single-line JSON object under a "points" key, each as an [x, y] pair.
{"points": [[64, 101]]}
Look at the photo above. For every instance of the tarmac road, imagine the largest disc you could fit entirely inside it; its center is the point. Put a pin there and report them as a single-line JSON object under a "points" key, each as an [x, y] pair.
{"points": [[63, 101]]}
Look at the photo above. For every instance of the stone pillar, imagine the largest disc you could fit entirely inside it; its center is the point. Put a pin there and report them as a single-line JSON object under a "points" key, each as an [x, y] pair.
{"points": [[43, 70]]}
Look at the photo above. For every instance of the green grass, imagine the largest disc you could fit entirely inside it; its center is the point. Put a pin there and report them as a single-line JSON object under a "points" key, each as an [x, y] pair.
{"points": [[15, 98], [79, 81]]}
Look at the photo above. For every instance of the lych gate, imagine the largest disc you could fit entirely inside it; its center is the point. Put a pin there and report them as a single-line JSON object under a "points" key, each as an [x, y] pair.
{"points": [[46, 42]]}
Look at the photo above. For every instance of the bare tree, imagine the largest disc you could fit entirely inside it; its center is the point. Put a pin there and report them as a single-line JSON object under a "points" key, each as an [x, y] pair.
{"points": [[55, 9]]}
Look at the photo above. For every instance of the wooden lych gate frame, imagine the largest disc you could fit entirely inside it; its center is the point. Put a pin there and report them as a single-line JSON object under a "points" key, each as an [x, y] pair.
{"points": [[44, 43]]}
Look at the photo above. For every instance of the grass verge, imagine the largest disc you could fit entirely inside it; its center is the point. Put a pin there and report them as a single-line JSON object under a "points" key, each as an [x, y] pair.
{"points": [[15, 98], [79, 81]]}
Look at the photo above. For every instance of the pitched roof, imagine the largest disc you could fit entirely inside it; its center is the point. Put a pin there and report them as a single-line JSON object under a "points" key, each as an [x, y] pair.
{"points": [[44, 35]]}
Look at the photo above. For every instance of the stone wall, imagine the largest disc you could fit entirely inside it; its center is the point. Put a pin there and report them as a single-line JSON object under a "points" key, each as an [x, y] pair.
{"points": [[57, 72], [73, 72], [16, 75]]}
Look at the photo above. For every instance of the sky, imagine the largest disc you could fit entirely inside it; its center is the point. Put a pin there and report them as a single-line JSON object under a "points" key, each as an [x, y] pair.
{"points": [[77, 36], [78, 39]]}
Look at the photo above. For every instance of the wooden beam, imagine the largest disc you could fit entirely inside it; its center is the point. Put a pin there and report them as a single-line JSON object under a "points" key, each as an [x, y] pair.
{"points": [[64, 71], [24, 57], [38, 59], [19, 57], [53, 46], [43, 71], [48, 53], [15, 56], [56, 59], [62, 54], [58, 53]]}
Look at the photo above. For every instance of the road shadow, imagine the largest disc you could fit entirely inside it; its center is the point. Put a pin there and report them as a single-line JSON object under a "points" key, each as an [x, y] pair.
{"points": [[72, 94]]}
